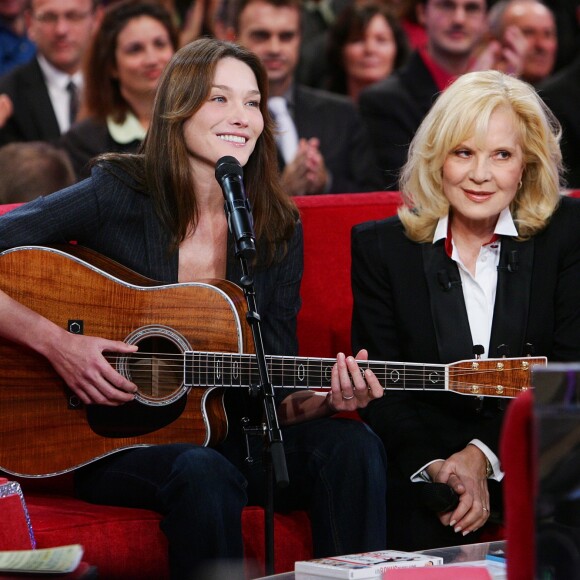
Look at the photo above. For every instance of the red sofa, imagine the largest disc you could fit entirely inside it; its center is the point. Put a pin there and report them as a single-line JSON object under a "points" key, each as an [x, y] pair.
{"points": [[127, 543]]}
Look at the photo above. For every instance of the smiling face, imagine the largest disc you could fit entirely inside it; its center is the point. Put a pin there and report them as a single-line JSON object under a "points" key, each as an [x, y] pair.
{"points": [[230, 120], [481, 179], [371, 57], [143, 49]]}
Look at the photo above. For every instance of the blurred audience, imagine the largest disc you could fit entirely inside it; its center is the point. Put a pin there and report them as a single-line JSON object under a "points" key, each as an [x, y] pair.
{"points": [[317, 18], [415, 31], [394, 108], [561, 92], [122, 68], [538, 25], [15, 46], [45, 91], [29, 170], [366, 44], [568, 27], [323, 145]]}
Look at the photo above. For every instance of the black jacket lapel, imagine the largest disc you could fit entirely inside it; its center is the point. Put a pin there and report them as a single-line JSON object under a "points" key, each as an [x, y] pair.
{"points": [[447, 304], [512, 301]]}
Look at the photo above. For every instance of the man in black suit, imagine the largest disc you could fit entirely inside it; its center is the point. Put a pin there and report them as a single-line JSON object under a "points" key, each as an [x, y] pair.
{"points": [[44, 91], [331, 152], [394, 108]]}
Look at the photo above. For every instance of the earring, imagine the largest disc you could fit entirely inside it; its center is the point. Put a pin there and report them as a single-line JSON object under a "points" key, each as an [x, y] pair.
{"points": [[520, 184]]}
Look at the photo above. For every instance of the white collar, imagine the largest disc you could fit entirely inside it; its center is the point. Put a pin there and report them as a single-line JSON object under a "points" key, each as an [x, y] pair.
{"points": [[128, 131], [56, 77], [505, 226]]}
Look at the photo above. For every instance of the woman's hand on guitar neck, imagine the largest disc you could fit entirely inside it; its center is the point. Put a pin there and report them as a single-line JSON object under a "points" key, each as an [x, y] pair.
{"points": [[349, 389], [344, 394], [79, 360]]}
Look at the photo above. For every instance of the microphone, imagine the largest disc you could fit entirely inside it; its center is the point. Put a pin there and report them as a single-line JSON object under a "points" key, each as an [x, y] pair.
{"points": [[445, 280], [229, 174], [513, 261], [438, 497]]}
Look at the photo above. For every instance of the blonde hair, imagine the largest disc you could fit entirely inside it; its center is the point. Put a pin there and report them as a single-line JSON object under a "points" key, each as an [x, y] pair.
{"points": [[463, 111]]}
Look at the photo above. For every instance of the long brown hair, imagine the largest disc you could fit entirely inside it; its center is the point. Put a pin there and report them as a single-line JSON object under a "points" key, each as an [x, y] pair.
{"points": [[101, 93], [183, 88]]}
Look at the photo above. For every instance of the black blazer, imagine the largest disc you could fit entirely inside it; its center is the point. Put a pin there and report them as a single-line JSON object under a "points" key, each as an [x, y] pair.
{"points": [[33, 118], [393, 110], [88, 139], [404, 310], [344, 141]]}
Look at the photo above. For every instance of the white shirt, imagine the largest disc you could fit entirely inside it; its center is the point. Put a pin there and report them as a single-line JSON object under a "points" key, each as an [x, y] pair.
{"points": [[479, 295], [56, 83]]}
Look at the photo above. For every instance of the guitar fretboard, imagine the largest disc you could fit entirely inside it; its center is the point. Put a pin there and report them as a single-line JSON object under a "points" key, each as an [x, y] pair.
{"points": [[207, 369]]}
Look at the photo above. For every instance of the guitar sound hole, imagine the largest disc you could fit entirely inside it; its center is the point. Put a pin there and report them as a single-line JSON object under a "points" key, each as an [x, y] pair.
{"points": [[157, 369]]}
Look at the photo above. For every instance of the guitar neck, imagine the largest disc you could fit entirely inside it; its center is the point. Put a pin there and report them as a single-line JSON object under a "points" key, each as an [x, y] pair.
{"points": [[212, 369]]}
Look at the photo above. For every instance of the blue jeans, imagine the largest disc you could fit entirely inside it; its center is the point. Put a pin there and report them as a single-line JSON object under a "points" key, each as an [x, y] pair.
{"points": [[337, 471], [200, 494]]}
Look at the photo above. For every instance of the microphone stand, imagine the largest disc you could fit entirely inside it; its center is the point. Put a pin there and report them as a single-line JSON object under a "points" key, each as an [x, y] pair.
{"points": [[274, 458]]}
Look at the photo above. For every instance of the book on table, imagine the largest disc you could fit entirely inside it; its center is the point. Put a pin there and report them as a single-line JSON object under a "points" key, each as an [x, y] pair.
{"points": [[364, 565]]}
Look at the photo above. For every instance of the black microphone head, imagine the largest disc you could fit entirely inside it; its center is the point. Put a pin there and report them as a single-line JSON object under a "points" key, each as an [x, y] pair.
{"points": [[228, 165], [438, 497]]}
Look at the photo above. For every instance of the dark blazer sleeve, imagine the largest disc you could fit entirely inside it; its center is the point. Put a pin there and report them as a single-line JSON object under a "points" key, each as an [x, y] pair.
{"points": [[82, 142], [33, 118], [376, 326]]}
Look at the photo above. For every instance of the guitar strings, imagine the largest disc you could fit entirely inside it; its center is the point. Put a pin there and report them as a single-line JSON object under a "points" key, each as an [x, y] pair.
{"points": [[171, 365]]}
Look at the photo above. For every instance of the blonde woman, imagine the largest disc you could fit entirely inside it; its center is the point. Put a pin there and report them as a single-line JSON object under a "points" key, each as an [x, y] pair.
{"points": [[484, 256]]}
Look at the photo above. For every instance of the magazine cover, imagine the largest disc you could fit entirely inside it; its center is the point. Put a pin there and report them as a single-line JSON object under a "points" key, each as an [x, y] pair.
{"points": [[365, 565]]}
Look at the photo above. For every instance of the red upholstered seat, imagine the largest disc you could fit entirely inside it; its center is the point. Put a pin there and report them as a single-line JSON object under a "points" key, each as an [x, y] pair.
{"points": [[118, 538], [324, 321], [126, 543], [519, 492]]}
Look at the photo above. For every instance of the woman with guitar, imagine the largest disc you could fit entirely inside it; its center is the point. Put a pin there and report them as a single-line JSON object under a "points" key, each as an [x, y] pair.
{"points": [[161, 214], [485, 251]]}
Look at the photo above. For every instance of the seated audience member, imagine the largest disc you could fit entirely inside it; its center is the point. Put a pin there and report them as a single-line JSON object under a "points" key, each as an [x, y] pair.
{"points": [[323, 145], [538, 25], [161, 213], [366, 44], [394, 108], [45, 90], [15, 46], [485, 251], [561, 92], [124, 62], [29, 170]]}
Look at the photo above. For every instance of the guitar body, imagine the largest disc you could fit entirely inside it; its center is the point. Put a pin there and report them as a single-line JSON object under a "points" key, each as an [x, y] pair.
{"points": [[45, 429]]}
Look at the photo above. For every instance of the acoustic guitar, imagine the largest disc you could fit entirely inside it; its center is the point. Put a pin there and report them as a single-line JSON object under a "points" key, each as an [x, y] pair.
{"points": [[194, 342]]}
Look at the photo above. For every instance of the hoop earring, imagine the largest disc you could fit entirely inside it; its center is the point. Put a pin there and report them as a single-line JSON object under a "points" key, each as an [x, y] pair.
{"points": [[520, 184]]}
